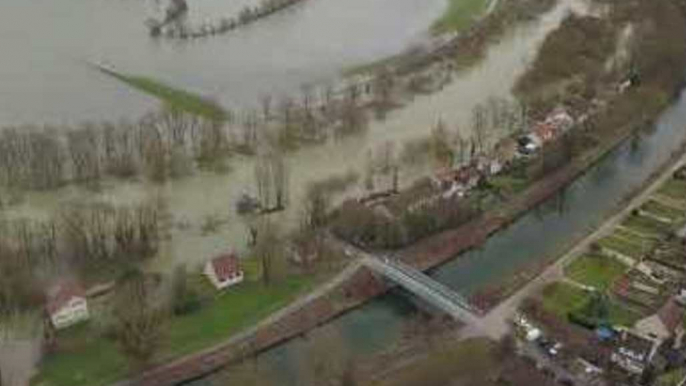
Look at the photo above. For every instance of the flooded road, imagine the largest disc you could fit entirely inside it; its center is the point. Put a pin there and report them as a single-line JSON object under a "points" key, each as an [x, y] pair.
{"points": [[46, 44]]}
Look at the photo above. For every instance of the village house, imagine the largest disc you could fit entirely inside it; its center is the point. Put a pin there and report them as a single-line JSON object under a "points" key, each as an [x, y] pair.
{"points": [[663, 324], [224, 271], [66, 304], [633, 352]]}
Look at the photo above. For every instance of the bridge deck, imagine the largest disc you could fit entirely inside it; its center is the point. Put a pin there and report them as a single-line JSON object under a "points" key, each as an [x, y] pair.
{"points": [[425, 287]]}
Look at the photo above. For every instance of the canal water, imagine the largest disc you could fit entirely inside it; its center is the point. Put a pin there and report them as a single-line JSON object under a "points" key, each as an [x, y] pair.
{"points": [[532, 238]]}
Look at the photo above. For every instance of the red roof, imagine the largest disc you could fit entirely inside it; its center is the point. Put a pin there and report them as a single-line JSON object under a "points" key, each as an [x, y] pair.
{"points": [[226, 266], [62, 293], [671, 315]]}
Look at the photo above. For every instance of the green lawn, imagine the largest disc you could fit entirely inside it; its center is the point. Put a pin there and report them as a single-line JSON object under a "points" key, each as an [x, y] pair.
{"points": [[460, 15], [622, 316], [561, 298], [672, 378], [646, 226], [595, 270], [675, 189], [661, 210], [174, 97], [622, 245], [95, 361]]}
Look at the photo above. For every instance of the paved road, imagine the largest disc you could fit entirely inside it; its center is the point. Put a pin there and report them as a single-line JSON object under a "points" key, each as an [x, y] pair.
{"points": [[496, 322]]}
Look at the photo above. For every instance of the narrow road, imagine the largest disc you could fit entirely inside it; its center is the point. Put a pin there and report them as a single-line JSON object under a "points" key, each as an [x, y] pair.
{"points": [[496, 322]]}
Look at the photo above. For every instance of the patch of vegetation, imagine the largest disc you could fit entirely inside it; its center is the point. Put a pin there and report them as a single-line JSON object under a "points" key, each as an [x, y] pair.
{"points": [[595, 270], [174, 97], [646, 226], [675, 189], [661, 210], [471, 359], [622, 246], [509, 184], [92, 359], [562, 298], [622, 316], [672, 378], [460, 15]]}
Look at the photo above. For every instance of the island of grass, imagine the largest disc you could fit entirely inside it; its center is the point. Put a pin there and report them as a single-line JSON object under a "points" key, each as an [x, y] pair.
{"points": [[171, 96], [86, 356], [460, 15]]}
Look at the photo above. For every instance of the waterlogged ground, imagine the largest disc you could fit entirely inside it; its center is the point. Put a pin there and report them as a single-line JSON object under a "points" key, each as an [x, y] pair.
{"points": [[46, 45], [195, 199]]}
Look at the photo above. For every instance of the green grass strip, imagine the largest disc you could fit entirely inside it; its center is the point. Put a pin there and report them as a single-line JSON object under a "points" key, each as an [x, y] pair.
{"points": [[459, 15], [90, 359], [174, 97], [595, 270]]}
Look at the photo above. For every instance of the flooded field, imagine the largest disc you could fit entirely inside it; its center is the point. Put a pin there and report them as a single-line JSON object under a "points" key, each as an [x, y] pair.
{"points": [[46, 44], [195, 200]]}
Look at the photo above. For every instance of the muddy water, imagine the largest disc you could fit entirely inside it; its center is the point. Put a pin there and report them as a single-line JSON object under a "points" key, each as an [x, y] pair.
{"points": [[45, 44], [195, 199]]}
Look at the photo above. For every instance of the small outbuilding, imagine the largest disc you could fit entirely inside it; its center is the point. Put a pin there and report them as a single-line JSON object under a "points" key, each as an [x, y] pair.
{"points": [[66, 304], [224, 271]]}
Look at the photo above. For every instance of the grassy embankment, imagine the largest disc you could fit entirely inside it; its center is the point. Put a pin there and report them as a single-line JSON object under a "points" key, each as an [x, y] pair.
{"points": [[459, 15], [87, 357], [169, 95]]}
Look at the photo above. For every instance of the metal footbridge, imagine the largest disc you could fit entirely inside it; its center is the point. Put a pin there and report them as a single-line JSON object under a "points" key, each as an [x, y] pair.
{"points": [[424, 287]]}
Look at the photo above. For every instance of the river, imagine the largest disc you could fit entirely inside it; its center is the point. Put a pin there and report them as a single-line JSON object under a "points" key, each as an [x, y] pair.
{"points": [[194, 199]]}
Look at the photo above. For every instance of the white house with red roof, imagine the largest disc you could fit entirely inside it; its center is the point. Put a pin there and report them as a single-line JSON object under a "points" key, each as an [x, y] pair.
{"points": [[66, 304], [224, 271]]}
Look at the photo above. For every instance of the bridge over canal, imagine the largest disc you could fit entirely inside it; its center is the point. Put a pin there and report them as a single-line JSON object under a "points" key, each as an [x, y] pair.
{"points": [[425, 288]]}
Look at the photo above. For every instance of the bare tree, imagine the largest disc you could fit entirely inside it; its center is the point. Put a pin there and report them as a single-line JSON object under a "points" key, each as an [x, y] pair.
{"points": [[140, 315], [271, 176], [269, 249], [480, 126]]}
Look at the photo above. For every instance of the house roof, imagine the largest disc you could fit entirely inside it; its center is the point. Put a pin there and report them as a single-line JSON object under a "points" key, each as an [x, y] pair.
{"points": [[671, 315], [226, 265], [635, 346], [62, 293]]}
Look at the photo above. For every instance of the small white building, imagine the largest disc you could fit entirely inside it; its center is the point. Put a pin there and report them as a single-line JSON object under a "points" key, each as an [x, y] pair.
{"points": [[66, 304], [224, 271]]}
